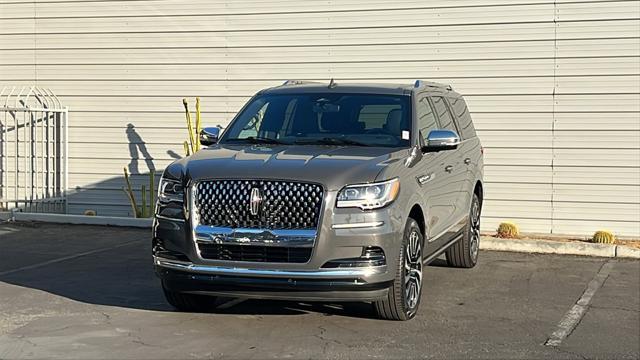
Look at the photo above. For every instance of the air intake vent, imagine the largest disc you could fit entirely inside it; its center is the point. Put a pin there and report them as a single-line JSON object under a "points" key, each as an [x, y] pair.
{"points": [[255, 253]]}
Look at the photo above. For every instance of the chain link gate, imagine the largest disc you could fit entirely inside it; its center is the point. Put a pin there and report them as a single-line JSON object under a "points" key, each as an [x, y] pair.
{"points": [[33, 151]]}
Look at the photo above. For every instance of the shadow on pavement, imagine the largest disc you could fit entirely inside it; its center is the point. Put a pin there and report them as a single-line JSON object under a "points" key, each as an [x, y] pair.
{"points": [[113, 267]]}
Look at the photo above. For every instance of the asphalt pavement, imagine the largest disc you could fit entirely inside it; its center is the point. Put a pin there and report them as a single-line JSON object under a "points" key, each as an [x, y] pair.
{"points": [[89, 292]]}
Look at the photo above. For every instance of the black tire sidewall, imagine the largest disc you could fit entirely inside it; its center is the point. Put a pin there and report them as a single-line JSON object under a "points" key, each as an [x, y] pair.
{"points": [[468, 237], [409, 227]]}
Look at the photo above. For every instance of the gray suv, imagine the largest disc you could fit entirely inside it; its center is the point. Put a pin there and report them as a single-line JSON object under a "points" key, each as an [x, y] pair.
{"points": [[316, 192]]}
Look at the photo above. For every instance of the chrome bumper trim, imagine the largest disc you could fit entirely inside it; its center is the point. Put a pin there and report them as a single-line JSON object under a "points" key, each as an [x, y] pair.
{"points": [[169, 218], [358, 225], [262, 237], [297, 274]]}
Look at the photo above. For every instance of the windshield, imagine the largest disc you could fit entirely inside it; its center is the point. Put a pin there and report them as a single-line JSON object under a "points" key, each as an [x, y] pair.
{"points": [[327, 119]]}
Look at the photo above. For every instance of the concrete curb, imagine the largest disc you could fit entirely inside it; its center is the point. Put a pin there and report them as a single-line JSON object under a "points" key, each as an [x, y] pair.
{"points": [[78, 219], [558, 247], [627, 252], [487, 242]]}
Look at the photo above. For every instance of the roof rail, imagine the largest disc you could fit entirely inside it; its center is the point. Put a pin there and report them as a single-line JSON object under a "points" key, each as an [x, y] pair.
{"points": [[298, 82], [422, 83]]}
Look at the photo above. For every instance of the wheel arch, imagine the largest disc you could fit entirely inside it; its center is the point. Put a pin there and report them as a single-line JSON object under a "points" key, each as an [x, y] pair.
{"points": [[479, 190], [417, 214]]}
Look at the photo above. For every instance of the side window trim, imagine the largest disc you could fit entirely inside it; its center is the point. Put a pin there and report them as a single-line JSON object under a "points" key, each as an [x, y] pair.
{"points": [[435, 113]]}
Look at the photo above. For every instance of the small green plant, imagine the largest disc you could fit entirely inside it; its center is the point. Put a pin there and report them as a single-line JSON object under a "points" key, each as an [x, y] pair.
{"points": [[193, 144], [603, 237], [145, 210], [508, 230]]}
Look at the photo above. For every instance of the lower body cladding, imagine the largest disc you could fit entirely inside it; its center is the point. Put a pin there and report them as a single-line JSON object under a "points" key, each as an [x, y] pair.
{"points": [[352, 262]]}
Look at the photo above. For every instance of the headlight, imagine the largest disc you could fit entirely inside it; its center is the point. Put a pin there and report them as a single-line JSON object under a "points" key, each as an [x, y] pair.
{"points": [[170, 190], [369, 196]]}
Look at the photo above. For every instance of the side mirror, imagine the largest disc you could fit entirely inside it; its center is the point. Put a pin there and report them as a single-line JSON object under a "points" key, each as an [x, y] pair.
{"points": [[441, 140], [209, 136]]}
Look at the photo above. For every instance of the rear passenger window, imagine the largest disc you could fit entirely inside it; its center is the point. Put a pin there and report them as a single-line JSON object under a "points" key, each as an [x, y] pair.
{"points": [[426, 118], [444, 115], [464, 118]]}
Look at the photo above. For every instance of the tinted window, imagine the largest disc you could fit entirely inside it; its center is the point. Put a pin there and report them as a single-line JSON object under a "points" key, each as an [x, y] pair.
{"points": [[426, 118], [444, 115], [377, 116], [252, 126], [318, 118], [464, 118]]}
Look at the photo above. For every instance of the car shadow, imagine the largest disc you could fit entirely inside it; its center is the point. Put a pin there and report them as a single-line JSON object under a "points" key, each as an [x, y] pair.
{"points": [[112, 267]]}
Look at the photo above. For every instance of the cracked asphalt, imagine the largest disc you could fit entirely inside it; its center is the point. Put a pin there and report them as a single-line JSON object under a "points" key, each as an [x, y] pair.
{"points": [[87, 292]]}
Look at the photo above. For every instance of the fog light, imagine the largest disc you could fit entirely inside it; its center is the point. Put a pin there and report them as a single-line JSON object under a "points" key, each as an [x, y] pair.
{"points": [[371, 256], [158, 249]]}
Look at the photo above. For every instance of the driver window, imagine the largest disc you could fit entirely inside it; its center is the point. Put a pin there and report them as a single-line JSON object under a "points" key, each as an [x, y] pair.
{"points": [[426, 118], [444, 115]]}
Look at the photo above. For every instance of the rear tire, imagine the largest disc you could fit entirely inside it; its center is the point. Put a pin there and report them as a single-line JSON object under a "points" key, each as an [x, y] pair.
{"points": [[403, 299], [464, 253], [189, 302]]}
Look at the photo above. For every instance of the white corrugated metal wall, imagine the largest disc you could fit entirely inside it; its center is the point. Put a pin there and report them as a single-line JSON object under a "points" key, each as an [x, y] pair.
{"points": [[554, 86]]}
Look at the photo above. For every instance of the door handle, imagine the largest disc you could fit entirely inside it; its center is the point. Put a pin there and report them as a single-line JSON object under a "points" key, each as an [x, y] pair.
{"points": [[467, 161], [448, 168]]}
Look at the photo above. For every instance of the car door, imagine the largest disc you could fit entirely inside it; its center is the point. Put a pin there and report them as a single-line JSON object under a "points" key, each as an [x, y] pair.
{"points": [[433, 179], [469, 149], [454, 168]]}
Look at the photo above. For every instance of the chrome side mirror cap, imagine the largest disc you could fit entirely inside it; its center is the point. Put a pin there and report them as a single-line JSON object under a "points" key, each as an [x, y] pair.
{"points": [[442, 140], [209, 136]]}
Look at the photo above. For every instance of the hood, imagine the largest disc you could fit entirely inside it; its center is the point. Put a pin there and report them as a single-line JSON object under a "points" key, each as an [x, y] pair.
{"points": [[332, 166]]}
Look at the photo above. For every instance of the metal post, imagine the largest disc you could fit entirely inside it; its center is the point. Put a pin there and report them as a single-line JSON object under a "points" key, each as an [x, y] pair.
{"points": [[66, 158]]}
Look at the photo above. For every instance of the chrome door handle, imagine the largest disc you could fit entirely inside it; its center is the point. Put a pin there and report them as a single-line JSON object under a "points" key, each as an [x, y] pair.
{"points": [[448, 168], [467, 161]]}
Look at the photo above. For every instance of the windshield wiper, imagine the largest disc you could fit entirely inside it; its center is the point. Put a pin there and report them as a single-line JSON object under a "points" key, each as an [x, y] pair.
{"points": [[258, 140], [330, 141]]}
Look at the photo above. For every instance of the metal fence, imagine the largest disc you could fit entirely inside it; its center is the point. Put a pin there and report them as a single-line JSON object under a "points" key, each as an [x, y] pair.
{"points": [[33, 150]]}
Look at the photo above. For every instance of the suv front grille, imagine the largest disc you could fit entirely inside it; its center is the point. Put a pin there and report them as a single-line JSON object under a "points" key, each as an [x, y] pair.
{"points": [[284, 205], [255, 253]]}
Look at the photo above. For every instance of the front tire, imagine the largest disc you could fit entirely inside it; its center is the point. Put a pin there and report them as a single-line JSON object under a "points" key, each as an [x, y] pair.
{"points": [[464, 253], [403, 299]]}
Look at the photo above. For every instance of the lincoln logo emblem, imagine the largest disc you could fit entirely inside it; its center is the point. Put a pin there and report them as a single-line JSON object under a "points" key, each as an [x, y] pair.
{"points": [[254, 201]]}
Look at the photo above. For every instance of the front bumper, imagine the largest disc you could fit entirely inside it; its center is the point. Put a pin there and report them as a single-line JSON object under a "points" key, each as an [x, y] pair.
{"points": [[356, 274], [320, 285]]}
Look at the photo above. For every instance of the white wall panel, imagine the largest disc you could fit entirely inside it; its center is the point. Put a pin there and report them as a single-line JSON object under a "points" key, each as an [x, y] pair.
{"points": [[617, 121], [517, 191], [518, 174], [594, 175], [306, 54], [553, 86]]}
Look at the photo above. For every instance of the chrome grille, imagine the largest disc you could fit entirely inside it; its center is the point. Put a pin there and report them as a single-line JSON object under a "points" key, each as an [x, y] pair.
{"points": [[282, 205]]}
